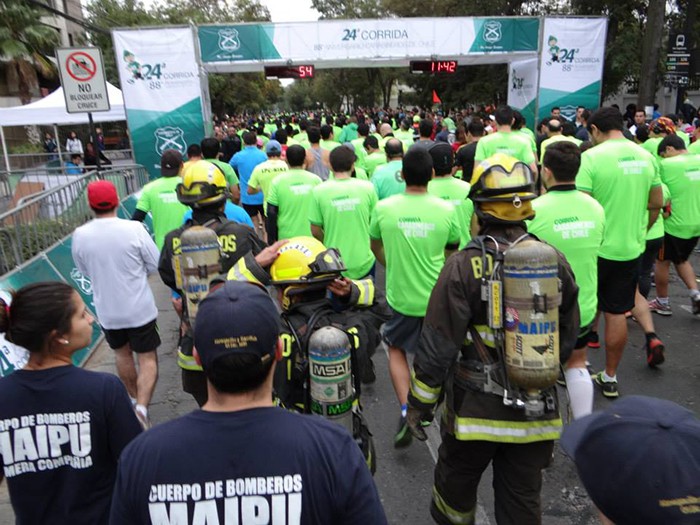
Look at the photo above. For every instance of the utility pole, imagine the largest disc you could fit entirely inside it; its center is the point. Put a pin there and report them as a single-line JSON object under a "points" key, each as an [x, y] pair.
{"points": [[651, 52]]}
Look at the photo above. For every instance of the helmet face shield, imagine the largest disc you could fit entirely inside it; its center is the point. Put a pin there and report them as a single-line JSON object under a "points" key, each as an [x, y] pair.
{"points": [[305, 260], [198, 192], [327, 264], [501, 178]]}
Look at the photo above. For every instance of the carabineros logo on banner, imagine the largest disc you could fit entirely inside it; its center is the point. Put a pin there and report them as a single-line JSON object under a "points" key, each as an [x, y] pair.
{"points": [[155, 132], [503, 35], [237, 42]]}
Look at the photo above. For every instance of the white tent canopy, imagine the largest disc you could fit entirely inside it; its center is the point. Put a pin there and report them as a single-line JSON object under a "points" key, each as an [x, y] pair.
{"points": [[52, 110]]}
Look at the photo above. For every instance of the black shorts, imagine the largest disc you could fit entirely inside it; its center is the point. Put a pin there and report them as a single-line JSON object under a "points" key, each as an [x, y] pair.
{"points": [[141, 339], [585, 335], [402, 331], [254, 209], [617, 284], [677, 250]]}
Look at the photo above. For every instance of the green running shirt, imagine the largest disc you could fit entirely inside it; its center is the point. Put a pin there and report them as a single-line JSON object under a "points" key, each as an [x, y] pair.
{"points": [[291, 192], [619, 175], [456, 192], [415, 230], [160, 199], [574, 223], [343, 207], [508, 142], [682, 176]]}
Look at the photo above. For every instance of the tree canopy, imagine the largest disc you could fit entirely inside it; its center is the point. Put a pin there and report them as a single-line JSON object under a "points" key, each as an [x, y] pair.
{"points": [[229, 93], [627, 28], [25, 44]]}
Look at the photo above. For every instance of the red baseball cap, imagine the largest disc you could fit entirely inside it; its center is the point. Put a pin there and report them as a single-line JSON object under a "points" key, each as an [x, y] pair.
{"points": [[102, 195]]}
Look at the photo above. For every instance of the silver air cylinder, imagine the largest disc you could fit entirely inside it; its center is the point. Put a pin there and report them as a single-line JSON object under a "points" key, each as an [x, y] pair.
{"points": [[331, 376]]}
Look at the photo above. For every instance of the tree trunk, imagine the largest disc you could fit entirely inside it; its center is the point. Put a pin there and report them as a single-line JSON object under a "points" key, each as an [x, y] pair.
{"points": [[651, 51]]}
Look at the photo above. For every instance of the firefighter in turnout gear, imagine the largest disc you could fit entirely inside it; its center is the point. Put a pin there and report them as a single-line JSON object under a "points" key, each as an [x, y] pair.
{"points": [[313, 295], [501, 311], [204, 189]]}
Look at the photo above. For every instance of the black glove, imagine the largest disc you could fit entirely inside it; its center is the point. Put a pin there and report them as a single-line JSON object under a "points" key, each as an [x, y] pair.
{"points": [[414, 416]]}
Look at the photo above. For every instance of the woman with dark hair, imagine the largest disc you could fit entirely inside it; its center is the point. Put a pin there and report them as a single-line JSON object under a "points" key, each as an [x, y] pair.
{"points": [[91, 156], [62, 428]]}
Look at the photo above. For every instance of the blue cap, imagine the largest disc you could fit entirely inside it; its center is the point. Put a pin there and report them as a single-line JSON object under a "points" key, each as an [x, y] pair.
{"points": [[639, 460], [273, 148], [239, 318]]}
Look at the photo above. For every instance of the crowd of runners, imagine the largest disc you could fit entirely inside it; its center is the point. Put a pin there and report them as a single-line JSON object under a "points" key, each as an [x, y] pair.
{"points": [[306, 208]]}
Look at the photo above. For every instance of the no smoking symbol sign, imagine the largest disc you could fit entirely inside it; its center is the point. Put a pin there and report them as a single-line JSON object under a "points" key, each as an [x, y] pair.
{"points": [[81, 66]]}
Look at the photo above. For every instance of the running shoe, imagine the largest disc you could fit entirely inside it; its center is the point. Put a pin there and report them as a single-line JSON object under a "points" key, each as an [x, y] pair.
{"points": [[659, 308], [695, 303], [655, 352], [609, 388], [593, 341], [403, 435]]}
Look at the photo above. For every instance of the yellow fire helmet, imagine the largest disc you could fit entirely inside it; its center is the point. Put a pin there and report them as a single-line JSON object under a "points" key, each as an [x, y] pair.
{"points": [[502, 178], [304, 261], [203, 184]]}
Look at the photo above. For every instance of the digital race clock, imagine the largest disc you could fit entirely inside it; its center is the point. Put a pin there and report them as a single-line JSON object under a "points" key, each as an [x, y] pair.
{"points": [[301, 71], [433, 66]]}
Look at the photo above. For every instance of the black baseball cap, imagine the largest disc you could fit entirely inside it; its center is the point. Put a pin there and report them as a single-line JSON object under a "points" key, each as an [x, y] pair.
{"points": [[239, 317], [443, 157], [170, 163], [639, 460]]}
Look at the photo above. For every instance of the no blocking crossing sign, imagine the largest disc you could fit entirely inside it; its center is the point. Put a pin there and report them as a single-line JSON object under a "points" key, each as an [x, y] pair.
{"points": [[83, 79]]}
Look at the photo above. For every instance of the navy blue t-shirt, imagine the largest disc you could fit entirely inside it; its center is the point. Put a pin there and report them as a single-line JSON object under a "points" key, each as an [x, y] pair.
{"points": [[61, 432], [262, 465]]}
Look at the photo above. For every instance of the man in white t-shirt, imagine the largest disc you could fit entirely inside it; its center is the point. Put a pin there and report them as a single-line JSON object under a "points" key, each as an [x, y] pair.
{"points": [[117, 255]]}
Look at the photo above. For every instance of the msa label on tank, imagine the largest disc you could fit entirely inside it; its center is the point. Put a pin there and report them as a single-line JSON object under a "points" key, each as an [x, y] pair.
{"points": [[333, 369]]}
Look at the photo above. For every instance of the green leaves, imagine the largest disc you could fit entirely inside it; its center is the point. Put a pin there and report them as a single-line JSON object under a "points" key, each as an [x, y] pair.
{"points": [[25, 43]]}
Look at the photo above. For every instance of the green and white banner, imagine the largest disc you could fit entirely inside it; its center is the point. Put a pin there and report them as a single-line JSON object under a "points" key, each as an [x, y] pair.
{"points": [[160, 80], [348, 43], [522, 88], [571, 67]]}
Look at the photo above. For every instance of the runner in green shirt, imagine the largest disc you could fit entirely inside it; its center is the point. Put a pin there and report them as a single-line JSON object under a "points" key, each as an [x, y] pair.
{"points": [[405, 134], [506, 141], [573, 223], [340, 212], [359, 144], [265, 173], [652, 146], [387, 179], [554, 132], [455, 191], [680, 171], [290, 198], [375, 157], [328, 141], [449, 124], [411, 233], [623, 178], [210, 152], [160, 199]]}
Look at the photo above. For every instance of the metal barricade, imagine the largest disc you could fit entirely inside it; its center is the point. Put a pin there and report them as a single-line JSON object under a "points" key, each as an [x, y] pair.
{"points": [[43, 219]]}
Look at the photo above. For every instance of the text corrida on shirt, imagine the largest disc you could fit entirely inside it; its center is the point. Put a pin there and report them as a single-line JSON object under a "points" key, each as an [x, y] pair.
{"points": [[40, 442], [273, 500]]}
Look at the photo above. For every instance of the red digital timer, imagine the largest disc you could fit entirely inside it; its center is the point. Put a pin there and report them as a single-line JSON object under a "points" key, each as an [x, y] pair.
{"points": [[306, 71], [302, 71], [434, 66]]}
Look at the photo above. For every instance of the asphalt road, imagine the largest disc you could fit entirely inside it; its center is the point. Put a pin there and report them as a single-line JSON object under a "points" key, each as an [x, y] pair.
{"points": [[404, 476]]}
